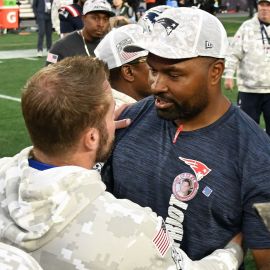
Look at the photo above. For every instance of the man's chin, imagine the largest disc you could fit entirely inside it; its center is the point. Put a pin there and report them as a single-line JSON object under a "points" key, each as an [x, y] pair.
{"points": [[98, 35], [171, 116]]}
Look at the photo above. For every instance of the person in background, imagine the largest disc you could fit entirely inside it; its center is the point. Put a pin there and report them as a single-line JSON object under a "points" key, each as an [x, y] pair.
{"points": [[151, 3], [96, 14], [42, 11], [135, 4], [249, 55], [128, 71], [122, 9], [252, 5], [188, 129], [56, 5], [70, 17], [118, 21], [56, 207]]}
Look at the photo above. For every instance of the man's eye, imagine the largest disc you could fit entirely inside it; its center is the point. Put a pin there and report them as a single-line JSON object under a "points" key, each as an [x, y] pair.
{"points": [[174, 75]]}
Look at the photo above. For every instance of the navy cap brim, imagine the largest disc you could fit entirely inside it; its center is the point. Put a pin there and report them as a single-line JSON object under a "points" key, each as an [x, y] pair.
{"points": [[110, 13], [133, 48]]}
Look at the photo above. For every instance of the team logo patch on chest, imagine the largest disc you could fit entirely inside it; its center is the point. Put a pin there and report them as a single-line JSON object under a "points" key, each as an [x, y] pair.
{"points": [[185, 185], [198, 167]]}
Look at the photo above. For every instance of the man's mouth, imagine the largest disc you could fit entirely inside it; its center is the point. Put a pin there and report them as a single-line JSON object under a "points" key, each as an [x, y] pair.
{"points": [[161, 103]]}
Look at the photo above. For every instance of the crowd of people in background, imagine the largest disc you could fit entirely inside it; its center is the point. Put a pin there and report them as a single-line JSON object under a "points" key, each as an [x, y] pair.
{"points": [[65, 16]]}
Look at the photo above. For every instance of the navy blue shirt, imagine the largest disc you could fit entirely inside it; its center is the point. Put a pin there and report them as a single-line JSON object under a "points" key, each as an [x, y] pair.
{"points": [[227, 164], [70, 18]]}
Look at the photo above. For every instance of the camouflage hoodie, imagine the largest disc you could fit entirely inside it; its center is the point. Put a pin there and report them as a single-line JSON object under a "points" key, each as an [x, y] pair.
{"points": [[12, 258], [64, 217]]}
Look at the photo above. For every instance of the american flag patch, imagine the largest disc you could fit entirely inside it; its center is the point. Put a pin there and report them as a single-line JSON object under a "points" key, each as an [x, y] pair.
{"points": [[52, 58], [127, 55], [162, 239], [207, 191]]}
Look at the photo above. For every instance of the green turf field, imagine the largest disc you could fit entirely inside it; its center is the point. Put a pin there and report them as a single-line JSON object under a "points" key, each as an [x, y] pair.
{"points": [[14, 41], [15, 72]]}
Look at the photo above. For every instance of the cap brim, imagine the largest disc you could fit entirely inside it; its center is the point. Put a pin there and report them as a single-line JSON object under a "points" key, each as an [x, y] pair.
{"points": [[134, 48], [110, 13], [162, 51]]}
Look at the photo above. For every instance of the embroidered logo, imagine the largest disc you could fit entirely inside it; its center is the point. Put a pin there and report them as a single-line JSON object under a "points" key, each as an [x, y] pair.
{"points": [[198, 167], [120, 48], [208, 45], [168, 24]]}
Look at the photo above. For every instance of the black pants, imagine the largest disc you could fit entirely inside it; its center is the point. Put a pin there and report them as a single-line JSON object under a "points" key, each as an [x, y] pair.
{"points": [[44, 23], [254, 105]]}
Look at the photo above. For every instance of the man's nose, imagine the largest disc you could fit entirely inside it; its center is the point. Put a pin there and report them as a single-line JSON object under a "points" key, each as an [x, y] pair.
{"points": [[158, 83], [101, 22]]}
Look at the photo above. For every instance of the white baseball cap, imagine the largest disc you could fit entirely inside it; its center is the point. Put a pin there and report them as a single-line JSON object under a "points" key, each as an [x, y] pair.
{"points": [[98, 6], [110, 49], [184, 32]]}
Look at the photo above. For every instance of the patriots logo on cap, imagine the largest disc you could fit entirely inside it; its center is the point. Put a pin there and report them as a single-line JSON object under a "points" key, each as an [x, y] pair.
{"points": [[151, 16], [168, 24]]}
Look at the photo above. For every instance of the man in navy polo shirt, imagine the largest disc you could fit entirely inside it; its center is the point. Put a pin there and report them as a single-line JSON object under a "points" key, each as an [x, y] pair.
{"points": [[189, 130]]}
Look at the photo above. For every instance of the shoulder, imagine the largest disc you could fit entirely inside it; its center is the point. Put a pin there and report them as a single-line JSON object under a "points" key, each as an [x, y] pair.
{"points": [[72, 10], [73, 36], [139, 108], [251, 23], [121, 98], [62, 47], [246, 132]]}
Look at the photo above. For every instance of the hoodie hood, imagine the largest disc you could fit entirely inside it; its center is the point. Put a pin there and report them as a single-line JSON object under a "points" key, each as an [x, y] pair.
{"points": [[36, 205]]}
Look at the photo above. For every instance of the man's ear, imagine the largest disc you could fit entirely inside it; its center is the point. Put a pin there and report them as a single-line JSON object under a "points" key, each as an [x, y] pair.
{"points": [[216, 71], [127, 73], [91, 139]]}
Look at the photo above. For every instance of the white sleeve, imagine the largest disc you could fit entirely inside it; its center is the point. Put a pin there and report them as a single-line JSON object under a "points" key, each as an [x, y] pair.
{"points": [[235, 52]]}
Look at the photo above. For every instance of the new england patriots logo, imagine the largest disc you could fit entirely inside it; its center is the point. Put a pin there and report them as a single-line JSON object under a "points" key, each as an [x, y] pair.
{"points": [[151, 16], [198, 167], [168, 24]]}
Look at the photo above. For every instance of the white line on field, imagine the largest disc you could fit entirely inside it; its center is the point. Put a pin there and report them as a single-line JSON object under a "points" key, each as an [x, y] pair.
{"points": [[31, 58], [10, 98]]}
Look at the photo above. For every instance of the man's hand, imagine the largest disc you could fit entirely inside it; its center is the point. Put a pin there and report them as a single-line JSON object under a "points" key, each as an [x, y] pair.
{"points": [[229, 84], [238, 239], [124, 122]]}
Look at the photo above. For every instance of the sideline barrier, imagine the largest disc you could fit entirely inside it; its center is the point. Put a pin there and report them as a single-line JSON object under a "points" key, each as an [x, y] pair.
{"points": [[9, 15]]}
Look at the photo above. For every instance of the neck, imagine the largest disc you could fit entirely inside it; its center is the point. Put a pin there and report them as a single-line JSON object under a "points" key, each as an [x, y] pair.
{"points": [[264, 22], [75, 159], [86, 36], [208, 116], [125, 88]]}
